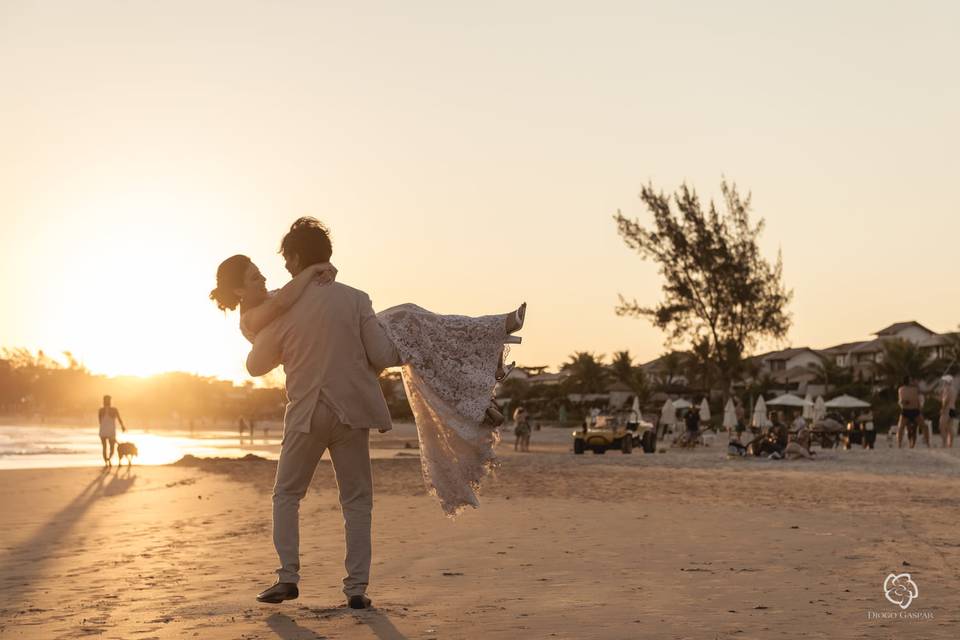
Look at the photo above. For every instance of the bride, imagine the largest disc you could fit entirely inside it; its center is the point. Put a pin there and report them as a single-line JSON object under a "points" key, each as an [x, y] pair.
{"points": [[450, 366]]}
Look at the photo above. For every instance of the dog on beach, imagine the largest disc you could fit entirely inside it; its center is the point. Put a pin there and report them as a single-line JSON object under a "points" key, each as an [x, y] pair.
{"points": [[127, 449]]}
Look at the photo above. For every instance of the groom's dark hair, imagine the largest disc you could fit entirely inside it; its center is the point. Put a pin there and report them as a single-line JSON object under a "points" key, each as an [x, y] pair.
{"points": [[309, 239]]}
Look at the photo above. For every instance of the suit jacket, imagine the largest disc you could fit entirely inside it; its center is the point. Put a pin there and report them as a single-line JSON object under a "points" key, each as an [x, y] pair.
{"points": [[332, 348]]}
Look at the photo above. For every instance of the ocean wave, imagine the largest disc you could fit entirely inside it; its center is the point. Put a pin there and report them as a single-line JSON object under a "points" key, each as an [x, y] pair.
{"points": [[40, 452]]}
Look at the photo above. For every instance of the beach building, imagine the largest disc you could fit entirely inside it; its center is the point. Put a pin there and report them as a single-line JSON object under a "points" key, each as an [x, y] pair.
{"points": [[796, 368]]}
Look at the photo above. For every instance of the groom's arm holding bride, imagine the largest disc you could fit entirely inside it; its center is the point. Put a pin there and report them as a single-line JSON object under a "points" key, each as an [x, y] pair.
{"points": [[267, 351], [381, 352]]}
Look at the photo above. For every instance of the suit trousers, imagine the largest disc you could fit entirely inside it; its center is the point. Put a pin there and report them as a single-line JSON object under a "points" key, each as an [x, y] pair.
{"points": [[299, 455]]}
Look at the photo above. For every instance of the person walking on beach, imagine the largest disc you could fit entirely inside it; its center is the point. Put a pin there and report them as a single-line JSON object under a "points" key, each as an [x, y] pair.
{"points": [[521, 429], [908, 396], [948, 410], [109, 416]]}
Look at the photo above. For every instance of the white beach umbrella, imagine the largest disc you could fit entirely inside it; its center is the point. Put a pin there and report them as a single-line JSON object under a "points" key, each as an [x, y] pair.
{"points": [[668, 414], [705, 411], [819, 409], [847, 402], [808, 408], [729, 415], [786, 400], [635, 409], [682, 404], [760, 418]]}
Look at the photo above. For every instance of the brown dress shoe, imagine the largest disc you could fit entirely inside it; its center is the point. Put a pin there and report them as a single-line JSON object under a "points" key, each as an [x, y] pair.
{"points": [[278, 593], [359, 602]]}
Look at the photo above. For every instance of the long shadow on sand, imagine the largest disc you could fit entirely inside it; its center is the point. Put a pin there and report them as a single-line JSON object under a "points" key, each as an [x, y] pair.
{"points": [[36, 551], [287, 628]]}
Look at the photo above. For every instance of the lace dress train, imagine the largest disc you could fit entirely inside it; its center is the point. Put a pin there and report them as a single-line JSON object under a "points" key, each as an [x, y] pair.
{"points": [[449, 369]]}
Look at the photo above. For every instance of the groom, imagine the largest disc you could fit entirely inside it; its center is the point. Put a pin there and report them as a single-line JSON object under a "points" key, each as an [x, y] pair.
{"points": [[331, 347]]}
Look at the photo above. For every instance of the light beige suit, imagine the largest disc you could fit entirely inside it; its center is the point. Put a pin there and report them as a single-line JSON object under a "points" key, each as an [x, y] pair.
{"points": [[331, 347]]}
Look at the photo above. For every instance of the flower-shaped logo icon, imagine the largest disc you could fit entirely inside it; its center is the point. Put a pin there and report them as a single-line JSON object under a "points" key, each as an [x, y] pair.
{"points": [[900, 589]]}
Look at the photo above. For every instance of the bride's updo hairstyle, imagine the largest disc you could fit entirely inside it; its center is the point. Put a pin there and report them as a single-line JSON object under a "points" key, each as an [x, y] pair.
{"points": [[308, 238], [230, 275]]}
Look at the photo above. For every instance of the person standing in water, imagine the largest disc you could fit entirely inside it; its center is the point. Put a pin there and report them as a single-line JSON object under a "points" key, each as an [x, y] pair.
{"points": [[109, 417]]}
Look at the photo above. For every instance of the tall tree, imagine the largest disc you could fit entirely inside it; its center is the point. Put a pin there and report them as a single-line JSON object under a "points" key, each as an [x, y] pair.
{"points": [[717, 286]]}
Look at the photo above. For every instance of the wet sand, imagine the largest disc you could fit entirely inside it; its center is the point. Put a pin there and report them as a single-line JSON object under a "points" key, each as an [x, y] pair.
{"points": [[682, 544]]}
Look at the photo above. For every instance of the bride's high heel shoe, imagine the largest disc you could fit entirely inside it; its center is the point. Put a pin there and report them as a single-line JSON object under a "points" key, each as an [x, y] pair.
{"points": [[515, 320]]}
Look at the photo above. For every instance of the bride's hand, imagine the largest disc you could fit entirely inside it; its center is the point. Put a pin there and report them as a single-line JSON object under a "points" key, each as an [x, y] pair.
{"points": [[324, 272]]}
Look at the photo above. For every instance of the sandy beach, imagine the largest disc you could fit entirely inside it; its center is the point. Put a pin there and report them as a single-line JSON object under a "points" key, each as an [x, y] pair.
{"points": [[682, 544]]}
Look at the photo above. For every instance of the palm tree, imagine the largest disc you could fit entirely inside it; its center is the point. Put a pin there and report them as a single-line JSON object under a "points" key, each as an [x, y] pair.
{"points": [[623, 369], [829, 373], [672, 364], [587, 373], [903, 359], [949, 362]]}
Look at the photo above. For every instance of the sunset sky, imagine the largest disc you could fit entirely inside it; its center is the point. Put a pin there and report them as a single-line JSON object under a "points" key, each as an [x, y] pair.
{"points": [[467, 157]]}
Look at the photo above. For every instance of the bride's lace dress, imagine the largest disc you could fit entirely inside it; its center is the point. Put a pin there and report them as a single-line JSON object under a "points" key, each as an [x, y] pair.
{"points": [[448, 373]]}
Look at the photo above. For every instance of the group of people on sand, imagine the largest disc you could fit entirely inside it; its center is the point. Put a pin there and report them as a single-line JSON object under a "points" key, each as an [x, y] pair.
{"points": [[911, 419], [779, 442]]}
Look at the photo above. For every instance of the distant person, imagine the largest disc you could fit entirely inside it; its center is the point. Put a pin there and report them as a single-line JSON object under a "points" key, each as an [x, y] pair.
{"points": [[799, 423], [799, 446], [779, 434], [869, 429], [852, 435], [948, 410], [109, 417], [241, 427], [521, 430], [908, 397], [692, 421], [741, 421]]}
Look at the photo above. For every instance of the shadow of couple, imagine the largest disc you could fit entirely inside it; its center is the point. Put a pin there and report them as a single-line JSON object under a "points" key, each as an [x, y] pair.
{"points": [[287, 628], [31, 557]]}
